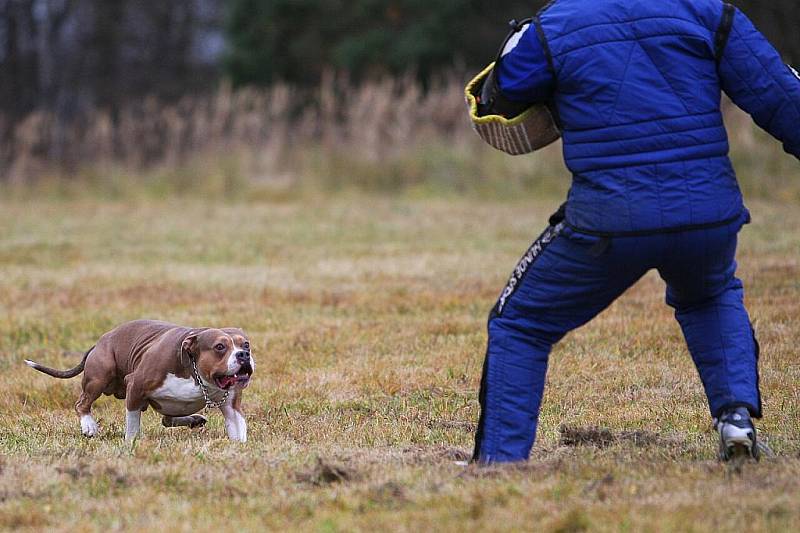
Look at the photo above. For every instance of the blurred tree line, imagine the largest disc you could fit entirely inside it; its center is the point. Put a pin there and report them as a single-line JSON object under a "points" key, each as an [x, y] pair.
{"points": [[70, 55], [297, 40]]}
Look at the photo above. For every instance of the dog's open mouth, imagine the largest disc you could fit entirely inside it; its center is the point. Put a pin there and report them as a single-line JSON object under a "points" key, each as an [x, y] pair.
{"points": [[225, 381]]}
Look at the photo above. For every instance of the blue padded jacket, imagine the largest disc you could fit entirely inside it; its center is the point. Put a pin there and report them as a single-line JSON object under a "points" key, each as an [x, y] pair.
{"points": [[636, 85]]}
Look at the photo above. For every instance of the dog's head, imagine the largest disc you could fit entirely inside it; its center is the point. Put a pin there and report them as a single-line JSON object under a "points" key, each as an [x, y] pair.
{"points": [[223, 356]]}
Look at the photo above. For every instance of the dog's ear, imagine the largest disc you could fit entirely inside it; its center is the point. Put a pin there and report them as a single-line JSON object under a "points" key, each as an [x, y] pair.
{"points": [[188, 347]]}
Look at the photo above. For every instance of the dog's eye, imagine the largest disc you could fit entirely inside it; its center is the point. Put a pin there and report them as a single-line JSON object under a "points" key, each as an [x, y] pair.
{"points": [[220, 347], [246, 346]]}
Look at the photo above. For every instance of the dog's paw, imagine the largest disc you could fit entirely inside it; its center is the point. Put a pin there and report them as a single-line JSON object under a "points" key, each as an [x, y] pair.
{"points": [[89, 427], [197, 421]]}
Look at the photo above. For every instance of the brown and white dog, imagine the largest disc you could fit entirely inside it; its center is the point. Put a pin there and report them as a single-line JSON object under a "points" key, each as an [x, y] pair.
{"points": [[174, 369]]}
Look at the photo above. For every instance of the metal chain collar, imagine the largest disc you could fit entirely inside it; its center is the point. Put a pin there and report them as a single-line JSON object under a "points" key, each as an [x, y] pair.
{"points": [[210, 404]]}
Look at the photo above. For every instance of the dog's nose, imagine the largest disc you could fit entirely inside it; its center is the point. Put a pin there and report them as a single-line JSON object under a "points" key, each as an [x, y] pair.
{"points": [[243, 357]]}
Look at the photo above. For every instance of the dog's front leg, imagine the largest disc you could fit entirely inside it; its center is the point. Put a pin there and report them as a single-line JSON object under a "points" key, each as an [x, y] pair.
{"points": [[237, 409], [235, 426], [135, 403], [242, 426], [133, 423]]}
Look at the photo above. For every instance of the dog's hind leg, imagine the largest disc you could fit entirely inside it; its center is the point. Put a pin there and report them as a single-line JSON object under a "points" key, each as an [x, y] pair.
{"points": [[133, 423], [193, 421], [134, 406], [92, 389], [135, 403], [97, 376]]}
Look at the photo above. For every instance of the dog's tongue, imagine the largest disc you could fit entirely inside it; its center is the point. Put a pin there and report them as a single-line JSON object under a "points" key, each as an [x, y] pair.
{"points": [[227, 381]]}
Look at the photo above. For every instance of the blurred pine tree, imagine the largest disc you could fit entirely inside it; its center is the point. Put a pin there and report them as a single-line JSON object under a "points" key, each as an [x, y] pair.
{"points": [[297, 40]]}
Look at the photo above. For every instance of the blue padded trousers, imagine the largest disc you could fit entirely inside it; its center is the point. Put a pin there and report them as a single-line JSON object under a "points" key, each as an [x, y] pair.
{"points": [[566, 278]]}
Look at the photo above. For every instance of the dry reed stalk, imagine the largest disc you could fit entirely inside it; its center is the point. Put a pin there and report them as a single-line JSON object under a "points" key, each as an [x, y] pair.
{"points": [[380, 131], [371, 120]]}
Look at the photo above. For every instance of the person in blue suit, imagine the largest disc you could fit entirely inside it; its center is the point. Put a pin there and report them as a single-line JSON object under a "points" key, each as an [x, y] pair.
{"points": [[635, 87]]}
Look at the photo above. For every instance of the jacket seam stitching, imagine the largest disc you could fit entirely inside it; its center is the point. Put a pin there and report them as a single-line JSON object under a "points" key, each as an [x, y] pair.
{"points": [[687, 187], [672, 117], [669, 84], [693, 145], [628, 39], [723, 32], [627, 196], [689, 21], [655, 135], [637, 164], [621, 84]]}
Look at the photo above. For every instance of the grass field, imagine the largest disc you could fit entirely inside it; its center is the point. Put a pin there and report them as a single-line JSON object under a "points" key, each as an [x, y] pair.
{"points": [[367, 316]]}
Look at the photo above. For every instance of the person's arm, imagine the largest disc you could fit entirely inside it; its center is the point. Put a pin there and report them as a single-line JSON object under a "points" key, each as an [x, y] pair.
{"points": [[754, 76], [505, 99], [524, 75]]}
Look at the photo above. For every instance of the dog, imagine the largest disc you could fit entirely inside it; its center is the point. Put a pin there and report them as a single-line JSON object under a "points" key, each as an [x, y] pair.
{"points": [[176, 370]]}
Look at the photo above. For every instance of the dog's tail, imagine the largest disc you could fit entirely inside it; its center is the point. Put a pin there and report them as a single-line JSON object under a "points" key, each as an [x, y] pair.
{"points": [[61, 374]]}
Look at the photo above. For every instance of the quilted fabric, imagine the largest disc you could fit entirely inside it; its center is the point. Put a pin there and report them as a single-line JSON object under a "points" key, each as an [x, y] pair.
{"points": [[638, 90]]}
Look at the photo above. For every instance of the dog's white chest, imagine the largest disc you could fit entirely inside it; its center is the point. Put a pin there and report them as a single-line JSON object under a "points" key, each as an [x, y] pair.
{"points": [[178, 396]]}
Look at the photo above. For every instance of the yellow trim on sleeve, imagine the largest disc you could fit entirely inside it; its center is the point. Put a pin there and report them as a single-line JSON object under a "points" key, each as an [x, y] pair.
{"points": [[472, 102]]}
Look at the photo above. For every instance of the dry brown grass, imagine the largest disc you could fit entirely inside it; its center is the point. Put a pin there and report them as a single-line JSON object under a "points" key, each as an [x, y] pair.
{"points": [[270, 126], [384, 135], [367, 315]]}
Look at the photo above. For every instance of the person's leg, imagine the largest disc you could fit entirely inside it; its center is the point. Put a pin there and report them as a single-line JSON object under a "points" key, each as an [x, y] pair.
{"points": [[709, 305], [559, 285]]}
